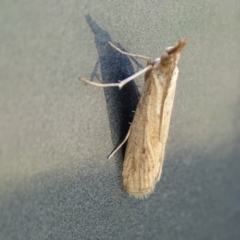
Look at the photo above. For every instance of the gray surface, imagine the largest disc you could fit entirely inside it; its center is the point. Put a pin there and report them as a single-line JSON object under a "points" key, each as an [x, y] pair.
{"points": [[55, 180]]}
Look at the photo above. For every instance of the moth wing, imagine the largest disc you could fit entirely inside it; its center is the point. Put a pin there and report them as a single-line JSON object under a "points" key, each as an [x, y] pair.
{"points": [[166, 116], [141, 165], [145, 152]]}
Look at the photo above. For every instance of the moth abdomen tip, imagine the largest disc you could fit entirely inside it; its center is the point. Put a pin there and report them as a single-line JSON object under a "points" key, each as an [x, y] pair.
{"points": [[140, 194]]}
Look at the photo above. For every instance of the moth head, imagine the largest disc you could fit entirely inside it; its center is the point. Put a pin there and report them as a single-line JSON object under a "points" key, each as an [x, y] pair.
{"points": [[172, 54]]}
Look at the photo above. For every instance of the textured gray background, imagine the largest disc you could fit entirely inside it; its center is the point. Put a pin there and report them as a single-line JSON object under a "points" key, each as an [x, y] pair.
{"points": [[55, 180]]}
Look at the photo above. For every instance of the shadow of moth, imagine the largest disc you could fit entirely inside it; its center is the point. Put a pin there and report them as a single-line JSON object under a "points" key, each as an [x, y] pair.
{"points": [[148, 133]]}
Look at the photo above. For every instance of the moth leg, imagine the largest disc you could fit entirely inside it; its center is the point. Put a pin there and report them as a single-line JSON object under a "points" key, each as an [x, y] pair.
{"points": [[120, 145], [99, 84], [127, 80], [139, 66], [120, 84], [129, 54]]}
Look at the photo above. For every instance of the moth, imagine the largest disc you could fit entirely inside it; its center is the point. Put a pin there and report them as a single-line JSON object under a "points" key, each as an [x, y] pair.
{"points": [[148, 133]]}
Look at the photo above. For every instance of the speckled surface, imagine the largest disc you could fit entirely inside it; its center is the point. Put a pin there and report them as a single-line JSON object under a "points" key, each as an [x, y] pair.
{"points": [[55, 132]]}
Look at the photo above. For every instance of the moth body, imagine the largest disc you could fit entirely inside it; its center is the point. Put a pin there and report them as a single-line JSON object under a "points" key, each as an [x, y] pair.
{"points": [[148, 134]]}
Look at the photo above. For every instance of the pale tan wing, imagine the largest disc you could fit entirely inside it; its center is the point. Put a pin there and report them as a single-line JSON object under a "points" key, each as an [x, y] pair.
{"points": [[145, 152], [168, 68], [141, 164], [166, 116]]}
